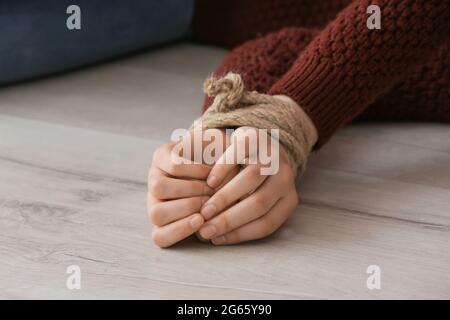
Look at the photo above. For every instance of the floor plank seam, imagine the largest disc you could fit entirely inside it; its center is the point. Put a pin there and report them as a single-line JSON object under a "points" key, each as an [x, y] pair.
{"points": [[318, 167], [318, 205], [198, 285], [84, 176], [350, 136]]}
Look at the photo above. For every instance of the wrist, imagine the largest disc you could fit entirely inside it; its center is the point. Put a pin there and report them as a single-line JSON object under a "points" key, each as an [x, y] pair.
{"points": [[310, 128]]}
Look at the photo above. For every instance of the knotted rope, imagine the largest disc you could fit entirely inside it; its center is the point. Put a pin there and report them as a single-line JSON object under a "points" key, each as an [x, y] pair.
{"points": [[233, 106]]}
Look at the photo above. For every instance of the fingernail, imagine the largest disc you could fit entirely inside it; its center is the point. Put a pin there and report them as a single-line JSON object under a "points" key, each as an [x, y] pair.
{"points": [[219, 240], [196, 222], [208, 211], [208, 232], [212, 181]]}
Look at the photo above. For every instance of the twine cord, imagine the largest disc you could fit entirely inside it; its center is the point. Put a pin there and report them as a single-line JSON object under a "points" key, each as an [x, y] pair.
{"points": [[233, 106]]}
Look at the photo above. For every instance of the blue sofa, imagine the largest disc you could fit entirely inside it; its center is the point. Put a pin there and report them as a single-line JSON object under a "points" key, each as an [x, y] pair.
{"points": [[35, 39]]}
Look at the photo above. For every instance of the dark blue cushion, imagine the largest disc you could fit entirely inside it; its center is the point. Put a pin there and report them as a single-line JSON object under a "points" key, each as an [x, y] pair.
{"points": [[34, 38]]}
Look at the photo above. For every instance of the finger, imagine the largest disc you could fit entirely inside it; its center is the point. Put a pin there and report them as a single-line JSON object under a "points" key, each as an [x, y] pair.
{"points": [[172, 233], [154, 174], [204, 146], [263, 226], [161, 213], [228, 178], [244, 183], [250, 208], [168, 160], [243, 144], [167, 188]]}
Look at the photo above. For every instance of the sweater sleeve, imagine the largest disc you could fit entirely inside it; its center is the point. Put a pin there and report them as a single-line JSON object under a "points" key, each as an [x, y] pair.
{"points": [[348, 66], [230, 23], [264, 60]]}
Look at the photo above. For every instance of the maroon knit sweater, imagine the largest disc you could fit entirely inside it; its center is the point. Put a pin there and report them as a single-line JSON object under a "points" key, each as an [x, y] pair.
{"points": [[321, 54]]}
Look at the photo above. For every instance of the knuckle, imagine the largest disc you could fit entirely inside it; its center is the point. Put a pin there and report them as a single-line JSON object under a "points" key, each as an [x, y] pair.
{"points": [[253, 172], [194, 204], [260, 202], [224, 223], [155, 215], [206, 190], [220, 200], [156, 188], [198, 188], [157, 153], [173, 168]]}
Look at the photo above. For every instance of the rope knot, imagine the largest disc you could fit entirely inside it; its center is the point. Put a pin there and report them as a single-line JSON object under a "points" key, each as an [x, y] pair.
{"points": [[228, 91], [235, 107]]}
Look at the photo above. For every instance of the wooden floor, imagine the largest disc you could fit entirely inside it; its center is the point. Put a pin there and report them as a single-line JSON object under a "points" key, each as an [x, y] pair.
{"points": [[74, 154]]}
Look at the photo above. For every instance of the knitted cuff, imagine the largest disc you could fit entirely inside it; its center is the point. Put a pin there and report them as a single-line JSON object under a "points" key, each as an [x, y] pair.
{"points": [[235, 107]]}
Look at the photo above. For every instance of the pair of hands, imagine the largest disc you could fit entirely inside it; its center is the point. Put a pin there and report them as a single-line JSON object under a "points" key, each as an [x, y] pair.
{"points": [[223, 203]]}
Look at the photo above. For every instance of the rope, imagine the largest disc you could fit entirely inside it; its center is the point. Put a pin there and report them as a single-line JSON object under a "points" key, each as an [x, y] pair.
{"points": [[233, 106]]}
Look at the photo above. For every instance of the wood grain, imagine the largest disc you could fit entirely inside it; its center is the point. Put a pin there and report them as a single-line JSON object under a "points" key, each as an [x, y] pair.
{"points": [[74, 154]]}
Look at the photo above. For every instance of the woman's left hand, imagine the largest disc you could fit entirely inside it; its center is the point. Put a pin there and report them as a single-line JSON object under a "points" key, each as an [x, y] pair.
{"points": [[250, 206]]}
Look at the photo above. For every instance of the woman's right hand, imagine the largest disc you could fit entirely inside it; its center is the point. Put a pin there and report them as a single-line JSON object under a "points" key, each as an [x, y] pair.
{"points": [[176, 192]]}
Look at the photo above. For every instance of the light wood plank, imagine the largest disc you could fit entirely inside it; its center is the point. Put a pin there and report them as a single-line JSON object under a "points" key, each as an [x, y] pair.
{"points": [[73, 184], [338, 176], [147, 95], [71, 197]]}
